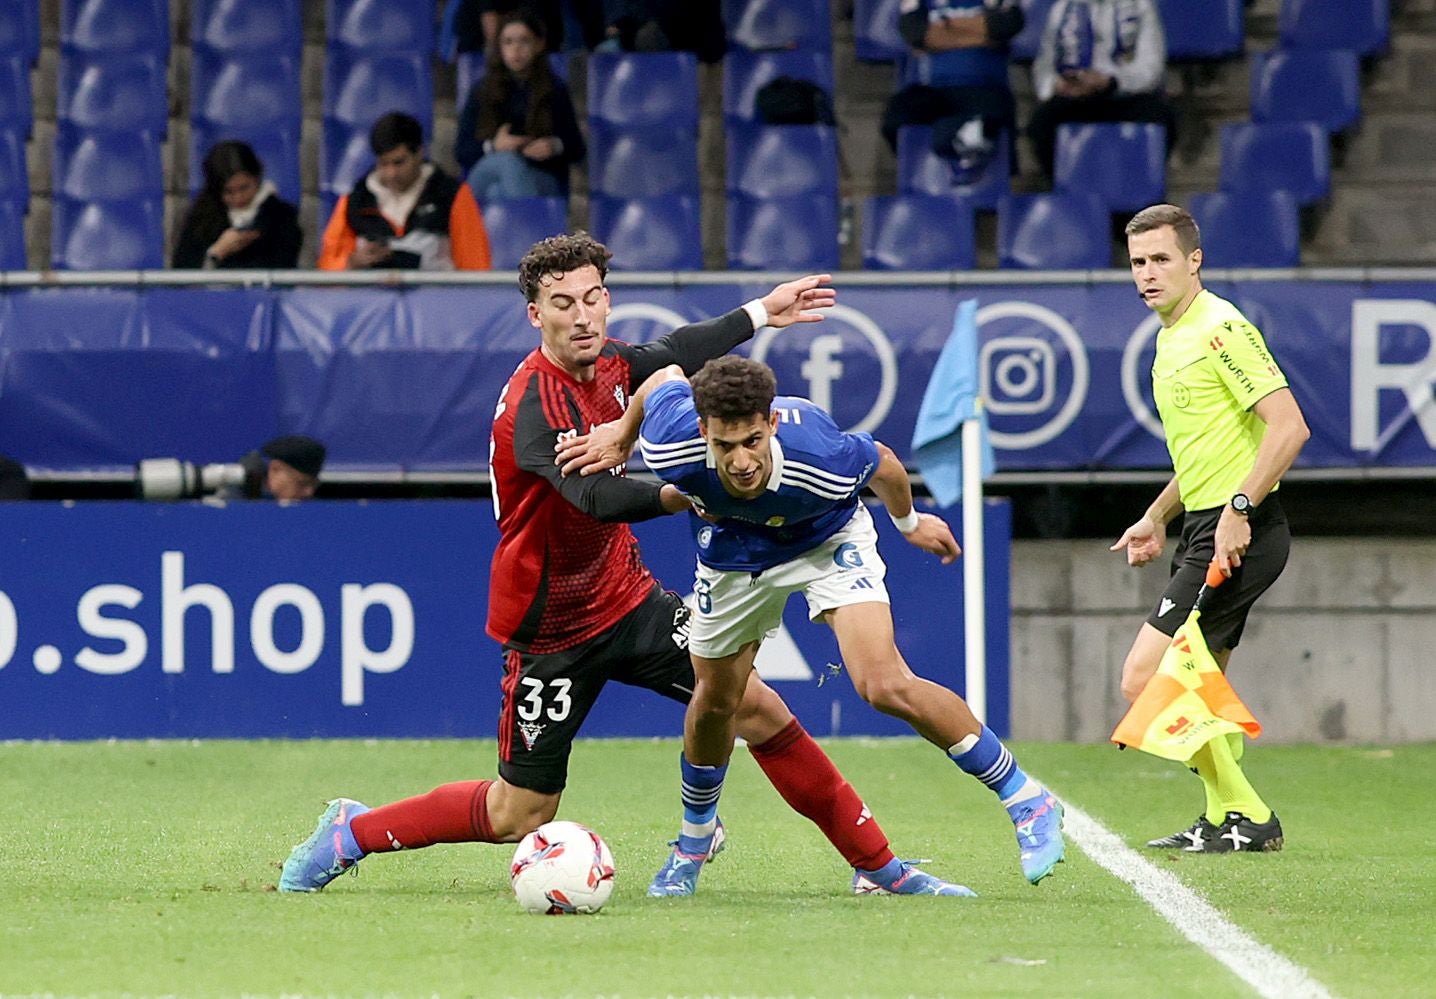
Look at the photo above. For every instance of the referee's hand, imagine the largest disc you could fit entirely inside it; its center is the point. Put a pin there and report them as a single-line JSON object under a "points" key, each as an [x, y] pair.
{"points": [[1144, 541]]}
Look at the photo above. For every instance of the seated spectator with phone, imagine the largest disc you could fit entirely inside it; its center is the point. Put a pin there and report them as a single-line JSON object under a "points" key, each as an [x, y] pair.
{"points": [[238, 220]]}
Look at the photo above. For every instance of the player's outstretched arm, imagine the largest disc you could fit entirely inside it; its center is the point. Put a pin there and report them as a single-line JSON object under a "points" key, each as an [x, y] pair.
{"points": [[793, 301], [1145, 539], [924, 530], [609, 445]]}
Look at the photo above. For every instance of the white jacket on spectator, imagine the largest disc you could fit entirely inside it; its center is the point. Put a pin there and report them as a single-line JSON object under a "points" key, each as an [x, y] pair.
{"points": [[1120, 38]]}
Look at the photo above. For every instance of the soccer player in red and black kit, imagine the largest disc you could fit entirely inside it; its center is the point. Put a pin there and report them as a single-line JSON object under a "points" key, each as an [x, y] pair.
{"points": [[572, 602]]}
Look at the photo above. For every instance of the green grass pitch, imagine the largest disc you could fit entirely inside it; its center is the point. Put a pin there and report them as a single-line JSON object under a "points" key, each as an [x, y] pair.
{"points": [[147, 869]]}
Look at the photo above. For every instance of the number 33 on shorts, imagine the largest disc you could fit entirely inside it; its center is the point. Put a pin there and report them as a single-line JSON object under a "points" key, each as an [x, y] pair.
{"points": [[530, 704]]}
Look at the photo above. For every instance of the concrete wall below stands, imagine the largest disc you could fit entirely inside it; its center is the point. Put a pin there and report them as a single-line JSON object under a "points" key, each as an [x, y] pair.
{"points": [[1340, 650]]}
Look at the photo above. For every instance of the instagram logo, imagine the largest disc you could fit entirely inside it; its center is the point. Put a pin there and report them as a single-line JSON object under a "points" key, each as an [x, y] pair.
{"points": [[1034, 373]]}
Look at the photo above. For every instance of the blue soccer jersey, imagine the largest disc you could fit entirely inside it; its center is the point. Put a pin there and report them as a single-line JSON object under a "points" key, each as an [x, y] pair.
{"points": [[818, 471]]}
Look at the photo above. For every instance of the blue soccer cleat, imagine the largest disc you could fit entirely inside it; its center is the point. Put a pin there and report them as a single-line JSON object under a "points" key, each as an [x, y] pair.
{"points": [[901, 877], [327, 853], [678, 876], [1039, 834]]}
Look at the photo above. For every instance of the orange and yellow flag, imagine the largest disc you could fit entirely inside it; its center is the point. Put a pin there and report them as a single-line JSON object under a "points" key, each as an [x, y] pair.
{"points": [[1187, 702]]}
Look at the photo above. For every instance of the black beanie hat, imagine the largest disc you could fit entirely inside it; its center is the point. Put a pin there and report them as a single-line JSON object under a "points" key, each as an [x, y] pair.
{"points": [[303, 454]]}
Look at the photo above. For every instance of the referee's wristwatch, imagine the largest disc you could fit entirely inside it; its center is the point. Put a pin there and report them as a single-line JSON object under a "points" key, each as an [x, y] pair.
{"points": [[1242, 504]]}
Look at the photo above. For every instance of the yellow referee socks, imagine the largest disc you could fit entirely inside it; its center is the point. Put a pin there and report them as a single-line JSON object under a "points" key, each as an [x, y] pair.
{"points": [[1227, 788]]}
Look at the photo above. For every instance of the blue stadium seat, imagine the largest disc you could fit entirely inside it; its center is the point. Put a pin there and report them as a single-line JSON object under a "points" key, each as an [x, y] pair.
{"points": [[1248, 228], [1058, 231], [783, 234], [14, 174], [375, 26], [918, 232], [116, 26], [1288, 156], [359, 90], [650, 234], [778, 161], [1362, 25], [1317, 85], [1029, 39], [1197, 32], [344, 158], [12, 236], [16, 30], [516, 224], [921, 171], [642, 162], [875, 32], [644, 88], [277, 149], [779, 24], [1124, 164], [121, 93], [107, 235], [17, 108], [246, 91], [744, 73], [248, 26], [106, 166]]}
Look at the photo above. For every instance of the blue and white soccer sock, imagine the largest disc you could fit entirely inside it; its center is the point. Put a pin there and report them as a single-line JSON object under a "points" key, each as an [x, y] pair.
{"points": [[985, 757], [701, 788]]}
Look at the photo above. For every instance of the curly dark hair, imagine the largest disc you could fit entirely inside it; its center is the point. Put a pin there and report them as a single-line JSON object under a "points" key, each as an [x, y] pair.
{"points": [[732, 388], [561, 254]]}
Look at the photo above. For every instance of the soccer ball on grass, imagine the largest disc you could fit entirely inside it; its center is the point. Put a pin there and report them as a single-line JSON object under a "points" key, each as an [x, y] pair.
{"points": [[562, 868]]}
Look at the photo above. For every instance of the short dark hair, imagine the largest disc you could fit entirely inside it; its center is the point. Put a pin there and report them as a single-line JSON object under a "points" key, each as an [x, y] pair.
{"points": [[732, 387], [225, 160], [396, 129], [1189, 237], [561, 254]]}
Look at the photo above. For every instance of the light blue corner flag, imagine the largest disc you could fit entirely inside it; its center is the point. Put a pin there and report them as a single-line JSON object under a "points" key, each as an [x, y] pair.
{"points": [[949, 401]]}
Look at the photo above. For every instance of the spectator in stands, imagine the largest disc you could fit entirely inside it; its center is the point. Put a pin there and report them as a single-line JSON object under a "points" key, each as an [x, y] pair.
{"points": [[287, 468], [963, 90], [476, 22], [518, 132], [406, 213], [14, 480], [238, 219], [664, 26], [1102, 61]]}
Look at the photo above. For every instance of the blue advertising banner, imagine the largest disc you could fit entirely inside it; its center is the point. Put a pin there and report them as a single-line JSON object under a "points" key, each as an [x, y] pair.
{"points": [[406, 378], [200, 620]]}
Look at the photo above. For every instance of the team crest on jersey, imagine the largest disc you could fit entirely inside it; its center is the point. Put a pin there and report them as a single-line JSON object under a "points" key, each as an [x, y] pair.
{"points": [[564, 435], [705, 537], [776, 521], [530, 731], [1181, 396]]}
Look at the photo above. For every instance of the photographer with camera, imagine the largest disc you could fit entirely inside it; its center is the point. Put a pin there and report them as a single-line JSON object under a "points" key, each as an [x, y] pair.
{"points": [[286, 469]]}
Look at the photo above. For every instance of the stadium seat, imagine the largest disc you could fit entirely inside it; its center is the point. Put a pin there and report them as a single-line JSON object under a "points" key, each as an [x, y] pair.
{"points": [[106, 166], [875, 33], [650, 234], [1307, 85], [777, 161], [277, 149], [12, 237], [918, 232], [641, 162], [121, 93], [1248, 228], [1058, 231], [1197, 32], [744, 73], [248, 26], [1124, 164], [515, 224], [246, 91], [14, 174], [104, 235], [921, 171], [783, 234], [779, 24], [1288, 156], [116, 26], [1362, 25], [644, 88], [359, 90], [1024, 47], [375, 26], [16, 38], [17, 108], [344, 158]]}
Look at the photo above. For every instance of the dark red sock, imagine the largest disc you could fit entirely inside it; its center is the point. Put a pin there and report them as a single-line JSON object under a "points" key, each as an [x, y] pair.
{"points": [[451, 813], [813, 787]]}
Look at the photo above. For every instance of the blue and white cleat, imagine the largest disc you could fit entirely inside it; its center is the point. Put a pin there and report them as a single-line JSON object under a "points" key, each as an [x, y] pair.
{"points": [[327, 853], [1038, 822], [678, 877], [905, 879]]}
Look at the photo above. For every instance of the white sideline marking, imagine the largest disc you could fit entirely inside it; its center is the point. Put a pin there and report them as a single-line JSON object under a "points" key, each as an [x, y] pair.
{"points": [[1262, 968]]}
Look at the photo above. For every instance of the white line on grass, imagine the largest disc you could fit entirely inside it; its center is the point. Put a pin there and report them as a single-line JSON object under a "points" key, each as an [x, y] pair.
{"points": [[1195, 918]]}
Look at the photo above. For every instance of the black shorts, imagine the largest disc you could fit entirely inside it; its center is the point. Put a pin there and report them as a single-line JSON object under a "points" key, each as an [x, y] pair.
{"points": [[1224, 611], [547, 696]]}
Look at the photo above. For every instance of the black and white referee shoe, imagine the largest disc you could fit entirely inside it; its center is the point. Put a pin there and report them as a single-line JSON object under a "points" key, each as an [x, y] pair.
{"points": [[1196, 838], [1239, 834]]}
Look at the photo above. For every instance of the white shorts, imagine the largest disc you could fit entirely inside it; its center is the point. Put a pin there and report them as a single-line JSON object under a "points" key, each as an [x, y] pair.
{"points": [[733, 608]]}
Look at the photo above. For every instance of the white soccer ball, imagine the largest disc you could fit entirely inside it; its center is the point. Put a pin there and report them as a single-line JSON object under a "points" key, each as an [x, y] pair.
{"points": [[562, 868]]}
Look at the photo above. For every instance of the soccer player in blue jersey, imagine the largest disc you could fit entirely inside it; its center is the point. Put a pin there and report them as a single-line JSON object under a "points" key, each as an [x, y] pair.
{"points": [[775, 486]]}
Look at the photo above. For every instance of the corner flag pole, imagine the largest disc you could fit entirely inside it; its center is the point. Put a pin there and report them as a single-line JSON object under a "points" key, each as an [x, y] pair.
{"points": [[973, 577]]}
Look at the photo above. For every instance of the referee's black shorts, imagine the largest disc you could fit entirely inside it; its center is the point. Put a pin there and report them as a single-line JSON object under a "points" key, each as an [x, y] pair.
{"points": [[1224, 611]]}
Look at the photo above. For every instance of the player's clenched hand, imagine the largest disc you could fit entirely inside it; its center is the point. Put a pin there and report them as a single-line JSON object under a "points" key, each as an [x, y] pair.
{"points": [[1144, 541], [604, 447], [790, 303], [933, 535]]}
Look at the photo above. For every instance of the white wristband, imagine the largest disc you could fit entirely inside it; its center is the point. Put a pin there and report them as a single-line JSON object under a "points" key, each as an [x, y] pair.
{"points": [[907, 524], [756, 313]]}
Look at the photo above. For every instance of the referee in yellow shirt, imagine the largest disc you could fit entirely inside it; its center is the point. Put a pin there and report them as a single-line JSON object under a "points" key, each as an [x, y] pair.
{"points": [[1233, 428]]}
